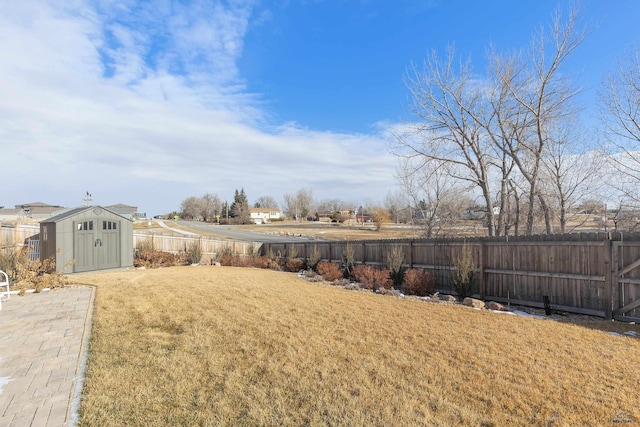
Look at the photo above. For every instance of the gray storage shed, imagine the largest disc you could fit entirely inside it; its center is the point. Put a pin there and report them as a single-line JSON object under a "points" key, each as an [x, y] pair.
{"points": [[87, 238]]}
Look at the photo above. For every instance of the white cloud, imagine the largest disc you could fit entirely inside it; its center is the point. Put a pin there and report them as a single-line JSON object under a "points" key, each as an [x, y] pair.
{"points": [[149, 109]]}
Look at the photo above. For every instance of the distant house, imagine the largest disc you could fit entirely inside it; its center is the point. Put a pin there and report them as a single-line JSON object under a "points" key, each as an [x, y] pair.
{"points": [[129, 212], [475, 213], [34, 210], [264, 215]]}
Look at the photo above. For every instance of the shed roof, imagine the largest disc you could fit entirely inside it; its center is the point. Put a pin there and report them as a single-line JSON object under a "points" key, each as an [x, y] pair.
{"points": [[75, 211]]}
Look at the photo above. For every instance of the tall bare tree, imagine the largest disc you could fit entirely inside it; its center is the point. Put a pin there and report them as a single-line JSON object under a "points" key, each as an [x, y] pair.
{"points": [[568, 175], [398, 206], [447, 101], [620, 102], [298, 205], [210, 205], [191, 207], [436, 197], [266, 202], [535, 98]]}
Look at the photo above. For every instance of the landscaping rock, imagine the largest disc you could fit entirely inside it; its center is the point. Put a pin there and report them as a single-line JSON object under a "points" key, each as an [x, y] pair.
{"points": [[472, 302], [447, 298], [492, 305]]}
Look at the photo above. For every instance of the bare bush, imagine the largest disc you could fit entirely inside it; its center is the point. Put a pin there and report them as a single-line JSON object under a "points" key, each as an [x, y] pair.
{"points": [[329, 271], [30, 274], [372, 278], [314, 258], [418, 281], [294, 265]]}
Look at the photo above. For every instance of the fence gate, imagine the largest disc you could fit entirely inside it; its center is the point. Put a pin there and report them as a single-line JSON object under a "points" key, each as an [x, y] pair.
{"points": [[626, 280]]}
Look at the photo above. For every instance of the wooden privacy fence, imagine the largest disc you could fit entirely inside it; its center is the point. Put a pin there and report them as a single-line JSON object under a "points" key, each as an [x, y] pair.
{"points": [[596, 274], [209, 247], [16, 235]]}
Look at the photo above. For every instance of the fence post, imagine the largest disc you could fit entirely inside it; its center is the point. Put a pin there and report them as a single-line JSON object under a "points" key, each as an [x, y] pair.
{"points": [[481, 262], [608, 278], [411, 253]]}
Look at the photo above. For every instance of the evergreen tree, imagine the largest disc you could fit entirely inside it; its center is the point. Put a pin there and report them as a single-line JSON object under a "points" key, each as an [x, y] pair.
{"points": [[239, 209]]}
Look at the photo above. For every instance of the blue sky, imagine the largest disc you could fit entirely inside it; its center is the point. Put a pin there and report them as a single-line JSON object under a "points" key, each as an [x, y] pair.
{"points": [[147, 103]]}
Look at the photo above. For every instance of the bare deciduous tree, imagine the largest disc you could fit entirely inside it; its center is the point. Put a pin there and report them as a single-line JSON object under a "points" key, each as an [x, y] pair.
{"points": [[447, 100], [266, 202], [437, 199], [191, 207], [535, 98], [481, 132], [298, 206], [569, 177], [211, 205], [621, 107], [398, 206]]}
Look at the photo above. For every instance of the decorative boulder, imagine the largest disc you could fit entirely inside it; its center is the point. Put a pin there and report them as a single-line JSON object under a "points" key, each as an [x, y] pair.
{"points": [[492, 305], [472, 302], [447, 298]]}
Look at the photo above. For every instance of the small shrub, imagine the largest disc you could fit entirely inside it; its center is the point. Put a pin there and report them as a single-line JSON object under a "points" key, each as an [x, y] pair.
{"points": [[418, 281], [227, 250], [329, 271], [314, 258], [144, 245], [292, 252], [261, 262], [194, 253], [348, 259], [253, 250], [395, 262], [372, 278], [30, 274], [228, 260], [463, 275], [154, 259], [294, 265]]}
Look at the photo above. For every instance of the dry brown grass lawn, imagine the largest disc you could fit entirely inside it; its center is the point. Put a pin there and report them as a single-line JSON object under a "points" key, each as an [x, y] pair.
{"points": [[208, 346]]}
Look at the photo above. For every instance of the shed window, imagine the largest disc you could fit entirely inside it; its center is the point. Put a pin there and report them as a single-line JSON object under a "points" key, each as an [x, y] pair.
{"points": [[84, 226], [109, 225]]}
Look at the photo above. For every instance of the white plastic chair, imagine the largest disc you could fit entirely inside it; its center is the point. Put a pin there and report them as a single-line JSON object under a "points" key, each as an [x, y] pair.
{"points": [[4, 296]]}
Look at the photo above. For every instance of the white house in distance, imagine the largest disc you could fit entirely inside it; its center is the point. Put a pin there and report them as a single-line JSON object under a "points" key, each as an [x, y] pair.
{"points": [[264, 215]]}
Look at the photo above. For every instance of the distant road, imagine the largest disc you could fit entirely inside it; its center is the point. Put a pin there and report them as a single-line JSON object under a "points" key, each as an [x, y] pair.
{"points": [[244, 235]]}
